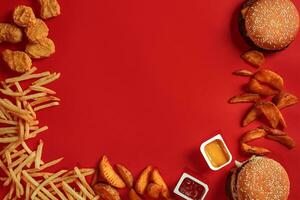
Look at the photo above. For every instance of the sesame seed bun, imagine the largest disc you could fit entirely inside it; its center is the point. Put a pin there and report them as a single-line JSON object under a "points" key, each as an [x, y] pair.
{"points": [[259, 178], [269, 24]]}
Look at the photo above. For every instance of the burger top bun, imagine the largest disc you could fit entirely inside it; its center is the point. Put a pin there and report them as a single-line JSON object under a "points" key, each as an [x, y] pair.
{"points": [[264, 179], [272, 24]]}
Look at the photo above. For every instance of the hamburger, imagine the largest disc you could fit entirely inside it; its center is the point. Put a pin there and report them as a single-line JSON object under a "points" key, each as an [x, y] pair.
{"points": [[269, 25], [259, 178]]}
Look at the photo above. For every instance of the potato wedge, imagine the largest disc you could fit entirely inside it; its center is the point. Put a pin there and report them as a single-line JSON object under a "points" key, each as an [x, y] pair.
{"points": [[253, 135], [154, 190], [273, 131], [243, 72], [157, 178], [143, 180], [254, 86], [252, 150], [270, 78], [283, 139], [251, 116], [106, 192], [253, 57], [133, 195], [109, 175], [271, 113], [284, 99], [125, 174], [245, 98]]}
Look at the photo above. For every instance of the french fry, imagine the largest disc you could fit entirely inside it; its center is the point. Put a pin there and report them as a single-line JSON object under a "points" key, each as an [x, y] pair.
{"points": [[143, 180], [253, 135], [254, 86], [253, 57], [284, 99], [251, 116], [125, 174], [157, 179], [268, 77], [283, 139], [247, 149], [243, 72]]}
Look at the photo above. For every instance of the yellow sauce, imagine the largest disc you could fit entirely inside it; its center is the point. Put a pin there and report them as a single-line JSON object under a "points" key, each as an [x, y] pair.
{"points": [[216, 153]]}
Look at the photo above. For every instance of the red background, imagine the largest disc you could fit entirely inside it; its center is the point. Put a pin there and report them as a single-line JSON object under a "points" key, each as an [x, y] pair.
{"points": [[146, 82]]}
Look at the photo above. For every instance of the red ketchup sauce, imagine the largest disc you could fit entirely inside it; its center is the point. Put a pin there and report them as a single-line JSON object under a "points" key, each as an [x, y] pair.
{"points": [[191, 189]]}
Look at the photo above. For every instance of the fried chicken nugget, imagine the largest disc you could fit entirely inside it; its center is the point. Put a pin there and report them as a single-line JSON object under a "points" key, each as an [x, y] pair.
{"points": [[157, 178], [49, 8], [252, 150], [251, 116], [254, 58], [125, 174], [37, 31], [284, 99], [154, 190], [143, 180], [109, 175], [24, 16], [43, 49], [283, 139], [17, 60], [272, 114], [270, 78], [245, 98], [253, 135], [133, 195], [106, 192], [256, 87], [10, 33]]}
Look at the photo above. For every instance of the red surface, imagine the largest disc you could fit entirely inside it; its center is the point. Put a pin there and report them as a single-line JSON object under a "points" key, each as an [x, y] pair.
{"points": [[146, 82]]}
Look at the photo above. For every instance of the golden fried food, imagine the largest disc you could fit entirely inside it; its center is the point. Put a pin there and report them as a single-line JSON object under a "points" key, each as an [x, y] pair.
{"points": [[10, 33], [270, 78], [106, 192], [283, 139], [125, 174], [109, 175], [37, 31], [273, 131], [243, 72], [252, 150], [271, 113], [154, 190], [157, 178], [143, 180], [255, 86], [245, 98], [133, 195], [43, 49], [24, 16], [49, 8], [253, 135], [17, 60], [251, 116], [285, 99], [253, 57]]}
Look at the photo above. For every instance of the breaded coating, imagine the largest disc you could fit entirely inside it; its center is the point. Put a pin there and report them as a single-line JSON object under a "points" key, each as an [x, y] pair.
{"points": [[24, 16], [43, 49], [18, 61], [10, 33], [37, 32], [49, 8]]}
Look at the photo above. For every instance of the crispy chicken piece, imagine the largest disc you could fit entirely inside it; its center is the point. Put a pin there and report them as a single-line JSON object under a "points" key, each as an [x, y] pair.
{"points": [[49, 8], [24, 16], [10, 33], [43, 49], [37, 31], [284, 99], [17, 60]]}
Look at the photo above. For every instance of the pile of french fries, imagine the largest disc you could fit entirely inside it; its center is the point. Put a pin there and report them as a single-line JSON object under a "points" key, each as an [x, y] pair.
{"points": [[22, 169]]}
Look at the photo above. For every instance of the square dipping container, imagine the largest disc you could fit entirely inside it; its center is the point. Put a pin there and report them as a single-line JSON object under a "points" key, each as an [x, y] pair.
{"points": [[190, 188], [216, 153]]}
